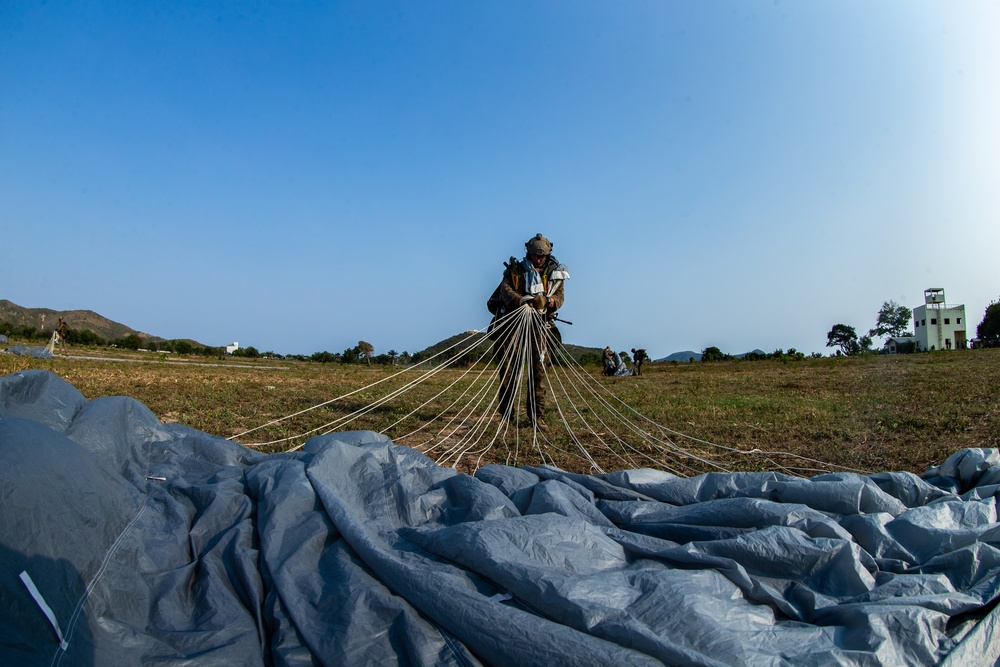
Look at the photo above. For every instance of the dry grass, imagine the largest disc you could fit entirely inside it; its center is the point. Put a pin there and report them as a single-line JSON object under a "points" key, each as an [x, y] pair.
{"points": [[874, 413]]}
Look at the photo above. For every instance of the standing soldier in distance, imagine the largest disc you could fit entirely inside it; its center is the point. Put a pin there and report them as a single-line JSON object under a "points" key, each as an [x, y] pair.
{"points": [[638, 356], [63, 331]]}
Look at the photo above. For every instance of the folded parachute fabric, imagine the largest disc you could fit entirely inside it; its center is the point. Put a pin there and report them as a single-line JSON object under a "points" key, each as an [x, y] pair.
{"points": [[155, 543]]}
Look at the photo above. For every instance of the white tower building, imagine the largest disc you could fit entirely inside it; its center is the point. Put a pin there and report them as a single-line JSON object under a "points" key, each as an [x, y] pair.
{"points": [[937, 325]]}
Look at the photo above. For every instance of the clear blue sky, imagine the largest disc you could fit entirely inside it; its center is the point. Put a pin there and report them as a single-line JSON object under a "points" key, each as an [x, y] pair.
{"points": [[302, 176]]}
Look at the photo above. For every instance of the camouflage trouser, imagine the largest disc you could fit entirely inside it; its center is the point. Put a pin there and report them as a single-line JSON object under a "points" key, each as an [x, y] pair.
{"points": [[515, 364]]}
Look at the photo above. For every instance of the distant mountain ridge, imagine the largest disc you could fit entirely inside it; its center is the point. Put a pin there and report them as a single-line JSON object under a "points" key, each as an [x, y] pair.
{"points": [[46, 319], [686, 355], [689, 355]]}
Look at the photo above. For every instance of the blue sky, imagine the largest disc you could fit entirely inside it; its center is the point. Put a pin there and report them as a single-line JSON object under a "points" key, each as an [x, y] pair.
{"points": [[302, 176]]}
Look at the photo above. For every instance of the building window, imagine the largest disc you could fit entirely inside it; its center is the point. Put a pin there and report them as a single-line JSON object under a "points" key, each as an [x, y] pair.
{"points": [[923, 323], [958, 320], [933, 321], [916, 324], [947, 321]]}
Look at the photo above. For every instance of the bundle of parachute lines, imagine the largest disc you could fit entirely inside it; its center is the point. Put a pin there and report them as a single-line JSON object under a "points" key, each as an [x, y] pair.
{"points": [[473, 403]]}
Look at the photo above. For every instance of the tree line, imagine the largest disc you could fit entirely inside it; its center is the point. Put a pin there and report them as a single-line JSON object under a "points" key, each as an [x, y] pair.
{"points": [[893, 321], [363, 352], [86, 337]]}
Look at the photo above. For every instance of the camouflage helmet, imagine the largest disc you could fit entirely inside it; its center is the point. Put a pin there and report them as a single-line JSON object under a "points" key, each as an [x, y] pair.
{"points": [[539, 245]]}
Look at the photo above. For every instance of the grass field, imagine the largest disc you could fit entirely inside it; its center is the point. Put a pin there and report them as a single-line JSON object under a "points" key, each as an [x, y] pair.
{"points": [[872, 413]]}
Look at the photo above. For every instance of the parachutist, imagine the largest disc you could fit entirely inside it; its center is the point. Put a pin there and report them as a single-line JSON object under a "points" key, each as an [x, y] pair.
{"points": [[536, 281]]}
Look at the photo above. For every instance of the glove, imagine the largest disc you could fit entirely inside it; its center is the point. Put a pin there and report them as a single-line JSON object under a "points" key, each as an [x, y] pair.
{"points": [[540, 301]]}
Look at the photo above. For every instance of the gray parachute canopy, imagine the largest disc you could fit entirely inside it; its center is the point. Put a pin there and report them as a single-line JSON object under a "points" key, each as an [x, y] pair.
{"points": [[139, 542]]}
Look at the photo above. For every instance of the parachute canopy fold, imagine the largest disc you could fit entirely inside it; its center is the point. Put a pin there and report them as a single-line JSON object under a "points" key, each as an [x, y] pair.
{"points": [[154, 542]]}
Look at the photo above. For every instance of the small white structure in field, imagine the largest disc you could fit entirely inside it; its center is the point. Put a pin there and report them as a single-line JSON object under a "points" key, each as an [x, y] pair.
{"points": [[937, 325], [232, 348]]}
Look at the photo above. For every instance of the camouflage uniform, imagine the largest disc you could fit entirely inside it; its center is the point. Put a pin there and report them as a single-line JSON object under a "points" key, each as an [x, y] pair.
{"points": [[63, 331], [638, 356], [609, 362], [505, 299]]}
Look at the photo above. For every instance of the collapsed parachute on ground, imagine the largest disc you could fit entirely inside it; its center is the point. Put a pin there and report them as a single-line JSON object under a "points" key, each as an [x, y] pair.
{"points": [[27, 351], [138, 542]]}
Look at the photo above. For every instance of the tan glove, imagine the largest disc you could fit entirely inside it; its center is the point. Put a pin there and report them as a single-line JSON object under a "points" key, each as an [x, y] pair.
{"points": [[540, 302]]}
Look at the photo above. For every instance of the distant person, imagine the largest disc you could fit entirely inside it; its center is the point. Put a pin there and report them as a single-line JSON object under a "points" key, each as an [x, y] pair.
{"points": [[638, 356], [534, 282], [609, 362], [62, 330]]}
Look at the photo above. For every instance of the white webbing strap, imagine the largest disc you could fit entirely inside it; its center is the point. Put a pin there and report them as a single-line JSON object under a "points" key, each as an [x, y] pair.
{"points": [[46, 609]]}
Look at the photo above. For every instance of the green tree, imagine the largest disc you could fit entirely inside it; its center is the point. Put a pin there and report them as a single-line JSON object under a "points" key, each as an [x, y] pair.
{"points": [[990, 326], [183, 347], [844, 337], [392, 357], [713, 353], [893, 320], [129, 342]]}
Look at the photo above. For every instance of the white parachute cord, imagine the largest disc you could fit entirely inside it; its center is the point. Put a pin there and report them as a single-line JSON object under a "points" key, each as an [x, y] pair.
{"points": [[673, 447], [508, 384], [405, 388], [467, 444], [461, 419], [824, 466], [574, 368], [582, 378], [514, 368], [560, 359], [620, 416], [574, 372], [669, 447], [541, 340], [346, 419], [507, 325], [351, 393], [474, 337], [529, 341], [431, 400]]}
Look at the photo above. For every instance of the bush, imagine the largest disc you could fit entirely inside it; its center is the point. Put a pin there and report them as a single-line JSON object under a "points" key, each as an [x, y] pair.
{"points": [[129, 342], [713, 353], [87, 337]]}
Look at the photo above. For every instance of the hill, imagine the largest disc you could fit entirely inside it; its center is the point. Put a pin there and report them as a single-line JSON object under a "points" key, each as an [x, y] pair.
{"points": [[686, 355], [46, 319]]}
